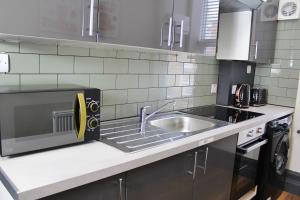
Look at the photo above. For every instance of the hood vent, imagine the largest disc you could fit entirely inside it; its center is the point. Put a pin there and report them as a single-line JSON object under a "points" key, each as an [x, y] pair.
{"points": [[239, 5]]}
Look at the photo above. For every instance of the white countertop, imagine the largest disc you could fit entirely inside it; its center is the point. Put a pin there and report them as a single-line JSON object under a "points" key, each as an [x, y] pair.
{"points": [[42, 174]]}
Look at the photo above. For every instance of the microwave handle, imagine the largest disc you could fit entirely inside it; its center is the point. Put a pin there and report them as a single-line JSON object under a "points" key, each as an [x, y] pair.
{"points": [[82, 116], [253, 147]]}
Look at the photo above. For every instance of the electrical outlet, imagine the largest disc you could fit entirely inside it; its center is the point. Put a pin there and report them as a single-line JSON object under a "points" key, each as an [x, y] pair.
{"points": [[4, 63], [249, 69], [213, 88]]}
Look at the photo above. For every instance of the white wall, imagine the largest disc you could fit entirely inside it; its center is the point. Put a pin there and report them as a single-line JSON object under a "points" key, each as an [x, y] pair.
{"points": [[294, 159]]}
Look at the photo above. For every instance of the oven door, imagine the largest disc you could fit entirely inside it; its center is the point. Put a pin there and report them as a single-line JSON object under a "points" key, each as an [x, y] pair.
{"points": [[39, 120], [246, 168]]}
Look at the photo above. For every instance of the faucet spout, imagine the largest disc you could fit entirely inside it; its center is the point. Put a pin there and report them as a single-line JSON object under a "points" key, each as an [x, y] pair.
{"points": [[144, 117]]}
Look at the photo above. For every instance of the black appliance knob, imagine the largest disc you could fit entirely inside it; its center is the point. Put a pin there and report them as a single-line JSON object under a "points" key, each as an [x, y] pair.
{"points": [[92, 123], [94, 106]]}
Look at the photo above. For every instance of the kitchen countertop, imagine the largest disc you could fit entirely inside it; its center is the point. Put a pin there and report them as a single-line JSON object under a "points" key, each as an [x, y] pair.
{"points": [[45, 173]]}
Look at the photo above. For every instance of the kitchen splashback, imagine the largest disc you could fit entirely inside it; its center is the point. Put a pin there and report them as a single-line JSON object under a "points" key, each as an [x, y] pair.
{"points": [[128, 79], [281, 78]]}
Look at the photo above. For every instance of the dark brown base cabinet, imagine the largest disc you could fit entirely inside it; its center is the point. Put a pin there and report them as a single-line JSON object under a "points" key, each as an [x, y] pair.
{"points": [[204, 173]]}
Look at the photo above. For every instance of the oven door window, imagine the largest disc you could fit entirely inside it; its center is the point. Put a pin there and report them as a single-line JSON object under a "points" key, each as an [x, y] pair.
{"points": [[37, 120], [246, 168]]}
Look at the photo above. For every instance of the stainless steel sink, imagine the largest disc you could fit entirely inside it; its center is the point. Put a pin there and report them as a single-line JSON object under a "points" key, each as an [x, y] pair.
{"points": [[183, 124], [125, 134]]}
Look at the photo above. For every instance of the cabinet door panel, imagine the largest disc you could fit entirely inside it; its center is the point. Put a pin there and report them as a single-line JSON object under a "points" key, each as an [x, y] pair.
{"points": [[106, 189], [61, 19], [164, 180], [195, 26], [263, 33], [214, 174], [135, 22]]}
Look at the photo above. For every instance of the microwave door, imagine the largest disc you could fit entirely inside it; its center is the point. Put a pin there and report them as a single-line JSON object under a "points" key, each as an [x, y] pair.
{"points": [[38, 120]]}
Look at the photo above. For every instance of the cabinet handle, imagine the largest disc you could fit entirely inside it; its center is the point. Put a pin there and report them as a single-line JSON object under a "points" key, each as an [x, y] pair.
{"points": [[91, 23], [120, 189], [256, 49], [193, 173], [181, 34], [170, 31], [205, 162]]}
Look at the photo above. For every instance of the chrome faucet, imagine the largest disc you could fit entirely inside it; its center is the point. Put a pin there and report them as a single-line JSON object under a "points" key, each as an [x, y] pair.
{"points": [[144, 117]]}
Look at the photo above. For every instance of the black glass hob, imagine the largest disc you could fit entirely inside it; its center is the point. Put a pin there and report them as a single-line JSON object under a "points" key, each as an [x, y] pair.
{"points": [[222, 113]]}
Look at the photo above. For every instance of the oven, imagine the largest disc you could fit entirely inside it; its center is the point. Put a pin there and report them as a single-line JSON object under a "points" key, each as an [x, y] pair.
{"points": [[247, 162], [38, 119]]}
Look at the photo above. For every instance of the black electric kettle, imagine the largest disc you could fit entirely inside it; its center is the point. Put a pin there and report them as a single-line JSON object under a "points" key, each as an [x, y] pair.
{"points": [[242, 96]]}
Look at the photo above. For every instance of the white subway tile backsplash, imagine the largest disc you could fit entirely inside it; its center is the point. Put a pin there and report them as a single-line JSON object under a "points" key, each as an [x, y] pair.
{"points": [[149, 56], [126, 110], [139, 66], [24, 63], [108, 113], [73, 51], [88, 65], [103, 53], [276, 91], [113, 97], [203, 79], [128, 54], [167, 57], [9, 79], [288, 83], [175, 68], [182, 80], [38, 48], [166, 80], [174, 92], [38, 79], [9, 47], [137, 95], [127, 81], [103, 81], [158, 67], [56, 64], [115, 66], [148, 81], [157, 94], [73, 79]]}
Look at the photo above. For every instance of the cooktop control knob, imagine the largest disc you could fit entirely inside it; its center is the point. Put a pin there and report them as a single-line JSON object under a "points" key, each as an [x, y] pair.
{"points": [[94, 106], [250, 133], [259, 130], [92, 123]]}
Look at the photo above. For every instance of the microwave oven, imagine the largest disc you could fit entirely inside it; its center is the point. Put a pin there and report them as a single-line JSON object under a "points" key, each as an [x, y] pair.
{"points": [[37, 119]]}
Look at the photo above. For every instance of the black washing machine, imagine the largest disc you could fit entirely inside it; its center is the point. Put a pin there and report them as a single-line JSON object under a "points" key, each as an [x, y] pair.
{"points": [[274, 159]]}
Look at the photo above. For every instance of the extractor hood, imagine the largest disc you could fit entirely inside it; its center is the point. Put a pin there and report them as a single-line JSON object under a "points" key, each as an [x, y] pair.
{"points": [[239, 5], [253, 4]]}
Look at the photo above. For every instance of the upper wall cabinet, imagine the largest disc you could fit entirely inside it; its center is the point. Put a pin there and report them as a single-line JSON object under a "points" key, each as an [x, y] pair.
{"points": [[61, 19], [195, 26], [181, 25], [143, 23], [247, 34]]}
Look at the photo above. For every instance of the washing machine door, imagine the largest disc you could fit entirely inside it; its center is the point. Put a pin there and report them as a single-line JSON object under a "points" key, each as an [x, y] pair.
{"points": [[281, 155]]}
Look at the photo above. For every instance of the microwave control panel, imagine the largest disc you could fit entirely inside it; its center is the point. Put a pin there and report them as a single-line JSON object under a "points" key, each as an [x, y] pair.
{"points": [[92, 100]]}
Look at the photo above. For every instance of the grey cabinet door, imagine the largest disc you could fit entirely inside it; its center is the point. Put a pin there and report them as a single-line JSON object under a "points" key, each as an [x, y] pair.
{"points": [[112, 188], [60, 19], [263, 33], [143, 23], [195, 26], [168, 179], [214, 173]]}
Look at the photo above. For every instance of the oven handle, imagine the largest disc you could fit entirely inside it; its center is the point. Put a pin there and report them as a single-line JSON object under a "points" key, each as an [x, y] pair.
{"points": [[82, 116], [253, 147]]}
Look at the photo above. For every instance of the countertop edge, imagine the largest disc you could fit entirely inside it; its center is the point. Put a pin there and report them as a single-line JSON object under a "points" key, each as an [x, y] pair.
{"points": [[121, 166]]}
